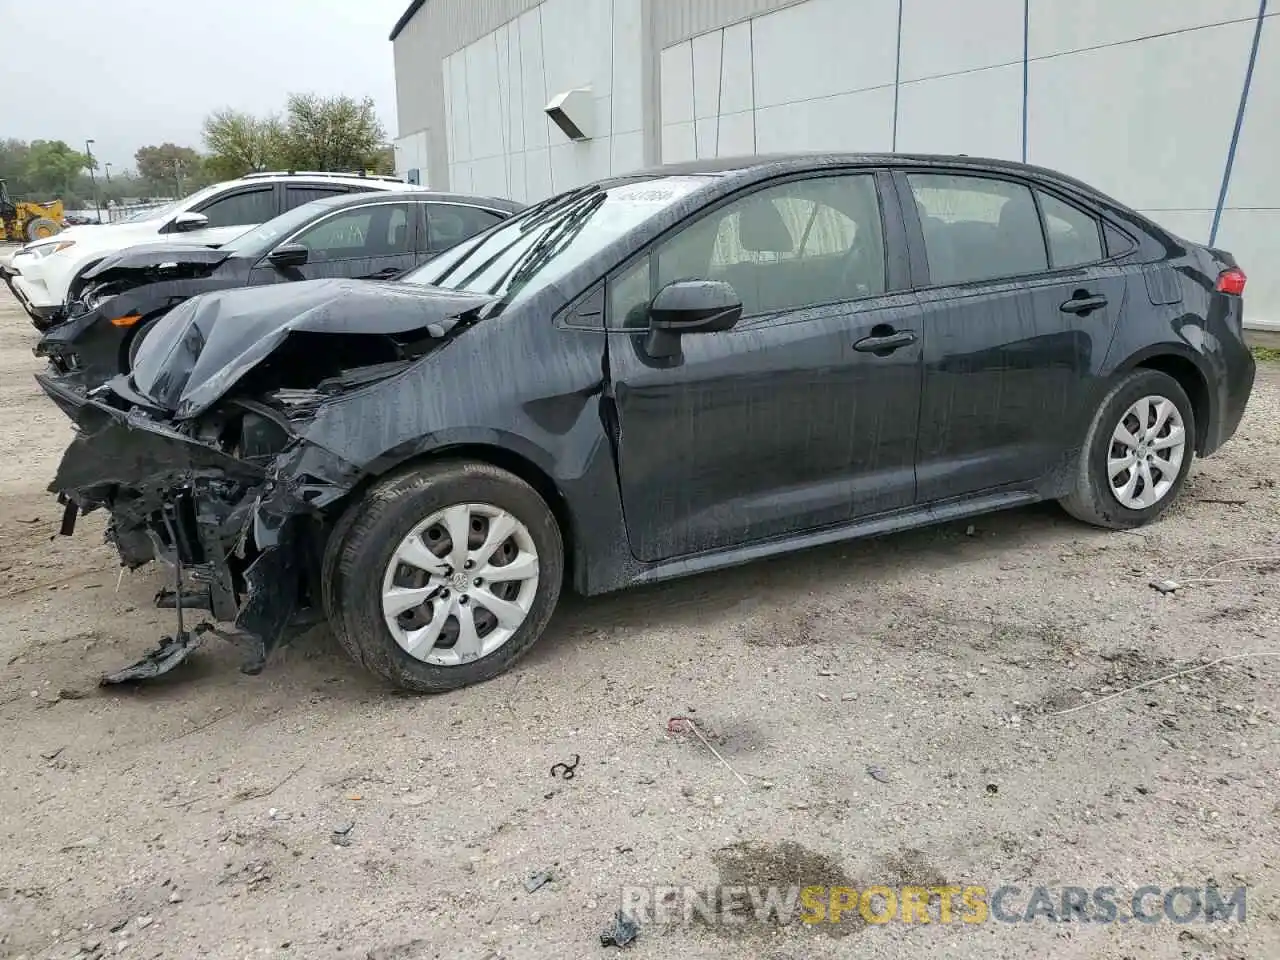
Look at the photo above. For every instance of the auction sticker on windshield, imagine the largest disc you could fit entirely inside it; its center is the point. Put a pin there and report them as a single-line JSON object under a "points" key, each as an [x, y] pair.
{"points": [[658, 191]]}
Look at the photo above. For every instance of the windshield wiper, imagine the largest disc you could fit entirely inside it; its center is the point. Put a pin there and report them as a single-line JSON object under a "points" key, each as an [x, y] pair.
{"points": [[542, 211], [552, 205], [550, 244], [530, 217]]}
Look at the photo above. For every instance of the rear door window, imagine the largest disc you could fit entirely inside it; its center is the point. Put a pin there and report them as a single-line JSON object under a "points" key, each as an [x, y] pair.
{"points": [[977, 228], [1074, 237], [296, 196]]}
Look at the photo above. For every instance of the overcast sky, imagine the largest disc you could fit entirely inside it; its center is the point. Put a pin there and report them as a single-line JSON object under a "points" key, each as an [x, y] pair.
{"points": [[128, 73]]}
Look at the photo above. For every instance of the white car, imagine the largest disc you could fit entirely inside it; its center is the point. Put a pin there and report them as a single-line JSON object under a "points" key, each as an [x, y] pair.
{"points": [[44, 274]]}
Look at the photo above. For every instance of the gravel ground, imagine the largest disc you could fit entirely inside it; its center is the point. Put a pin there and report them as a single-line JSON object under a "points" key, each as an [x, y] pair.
{"points": [[890, 704]]}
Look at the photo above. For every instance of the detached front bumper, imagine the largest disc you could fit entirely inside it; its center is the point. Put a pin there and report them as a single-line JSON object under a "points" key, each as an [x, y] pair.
{"points": [[248, 541]]}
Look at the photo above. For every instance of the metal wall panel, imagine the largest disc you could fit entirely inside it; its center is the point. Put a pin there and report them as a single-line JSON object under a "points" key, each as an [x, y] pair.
{"points": [[440, 28], [676, 20]]}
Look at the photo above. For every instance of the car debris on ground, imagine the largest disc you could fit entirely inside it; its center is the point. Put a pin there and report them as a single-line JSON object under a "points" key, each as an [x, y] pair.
{"points": [[620, 932], [536, 881]]}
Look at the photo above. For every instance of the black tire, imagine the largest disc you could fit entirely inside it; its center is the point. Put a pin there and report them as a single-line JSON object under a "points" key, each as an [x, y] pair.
{"points": [[371, 533], [331, 578], [135, 341], [42, 228], [1092, 500]]}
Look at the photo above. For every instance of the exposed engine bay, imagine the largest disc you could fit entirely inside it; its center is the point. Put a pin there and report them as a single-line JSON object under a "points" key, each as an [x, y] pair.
{"points": [[208, 459]]}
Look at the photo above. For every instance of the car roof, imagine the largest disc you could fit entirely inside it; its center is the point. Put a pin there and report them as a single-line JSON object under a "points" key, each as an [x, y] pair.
{"points": [[762, 166], [341, 200]]}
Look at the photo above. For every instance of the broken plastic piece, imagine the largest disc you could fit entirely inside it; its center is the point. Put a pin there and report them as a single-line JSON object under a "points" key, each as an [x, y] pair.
{"points": [[70, 510], [536, 880], [167, 599], [171, 652], [622, 931], [1165, 586]]}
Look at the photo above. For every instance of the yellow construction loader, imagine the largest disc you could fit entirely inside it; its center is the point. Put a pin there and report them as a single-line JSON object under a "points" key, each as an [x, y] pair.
{"points": [[22, 221]]}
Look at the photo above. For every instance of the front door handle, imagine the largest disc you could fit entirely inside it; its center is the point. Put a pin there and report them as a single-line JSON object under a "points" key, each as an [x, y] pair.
{"points": [[1083, 302], [887, 343]]}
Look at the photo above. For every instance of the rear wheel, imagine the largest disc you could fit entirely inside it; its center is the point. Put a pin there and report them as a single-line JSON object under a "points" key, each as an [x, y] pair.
{"points": [[444, 575], [1137, 453]]}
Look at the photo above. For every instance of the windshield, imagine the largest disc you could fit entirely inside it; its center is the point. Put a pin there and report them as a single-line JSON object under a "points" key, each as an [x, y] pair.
{"points": [[260, 240], [546, 242]]}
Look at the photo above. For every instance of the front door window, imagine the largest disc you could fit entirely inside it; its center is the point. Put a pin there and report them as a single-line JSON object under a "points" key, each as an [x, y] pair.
{"points": [[800, 244]]}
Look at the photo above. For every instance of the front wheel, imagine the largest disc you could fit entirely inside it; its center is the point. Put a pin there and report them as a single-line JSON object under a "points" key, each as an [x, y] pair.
{"points": [[444, 576], [1137, 453], [42, 228]]}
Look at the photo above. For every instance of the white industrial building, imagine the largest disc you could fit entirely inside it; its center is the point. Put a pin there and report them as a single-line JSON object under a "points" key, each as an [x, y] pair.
{"points": [[1172, 106]]}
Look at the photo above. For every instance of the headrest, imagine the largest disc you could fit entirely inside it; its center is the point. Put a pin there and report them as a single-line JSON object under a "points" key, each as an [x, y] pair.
{"points": [[761, 228]]}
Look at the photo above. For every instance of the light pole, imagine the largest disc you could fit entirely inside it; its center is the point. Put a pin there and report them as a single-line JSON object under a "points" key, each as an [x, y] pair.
{"points": [[106, 172], [88, 150]]}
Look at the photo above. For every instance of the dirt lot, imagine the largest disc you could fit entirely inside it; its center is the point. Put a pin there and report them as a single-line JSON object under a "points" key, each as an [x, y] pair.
{"points": [[888, 702]]}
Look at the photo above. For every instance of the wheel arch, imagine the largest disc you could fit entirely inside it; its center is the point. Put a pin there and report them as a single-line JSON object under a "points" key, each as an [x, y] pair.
{"points": [[504, 458], [1188, 369]]}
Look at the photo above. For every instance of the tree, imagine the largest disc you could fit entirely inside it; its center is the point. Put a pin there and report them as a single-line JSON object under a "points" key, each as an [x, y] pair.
{"points": [[52, 166], [167, 163], [384, 161], [317, 133], [241, 143], [14, 155], [331, 133]]}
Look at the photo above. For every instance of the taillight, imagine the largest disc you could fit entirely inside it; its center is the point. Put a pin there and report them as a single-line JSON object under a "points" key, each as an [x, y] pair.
{"points": [[1231, 282]]}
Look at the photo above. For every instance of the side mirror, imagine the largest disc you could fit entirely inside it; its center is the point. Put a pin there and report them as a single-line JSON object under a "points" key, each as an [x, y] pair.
{"points": [[690, 306], [289, 255], [187, 222]]}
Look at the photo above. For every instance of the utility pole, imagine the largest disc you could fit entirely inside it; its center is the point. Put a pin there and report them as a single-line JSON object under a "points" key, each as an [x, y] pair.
{"points": [[88, 150], [106, 168], [177, 176]]}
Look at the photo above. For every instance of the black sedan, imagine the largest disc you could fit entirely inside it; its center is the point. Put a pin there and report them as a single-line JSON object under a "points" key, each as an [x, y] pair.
{"points": [[364, 235], [657, 375]]}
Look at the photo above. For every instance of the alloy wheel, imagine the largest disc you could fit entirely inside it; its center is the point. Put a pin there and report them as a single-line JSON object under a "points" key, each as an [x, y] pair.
{"points": [[460, 584], [1146, 452]]}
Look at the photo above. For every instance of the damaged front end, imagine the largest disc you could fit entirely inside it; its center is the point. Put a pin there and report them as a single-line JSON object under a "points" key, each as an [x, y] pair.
{"points": [[227, 513], [203, 458], [110, 303]]}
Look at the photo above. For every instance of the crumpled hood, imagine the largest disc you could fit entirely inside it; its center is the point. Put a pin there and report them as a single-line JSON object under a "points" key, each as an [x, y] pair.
{"points": [[199, 350], [150, 255]]}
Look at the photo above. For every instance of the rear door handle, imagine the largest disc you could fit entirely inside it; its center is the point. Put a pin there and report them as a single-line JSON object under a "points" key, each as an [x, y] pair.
{"points": [[1083, 304], [887, 343]]}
